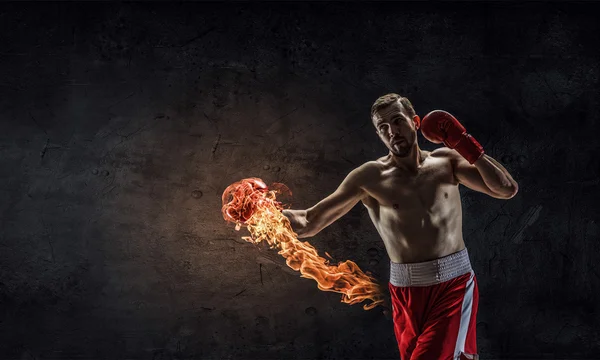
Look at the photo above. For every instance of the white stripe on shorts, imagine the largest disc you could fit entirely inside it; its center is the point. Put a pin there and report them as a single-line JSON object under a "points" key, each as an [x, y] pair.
{"points": [[465, 317]]}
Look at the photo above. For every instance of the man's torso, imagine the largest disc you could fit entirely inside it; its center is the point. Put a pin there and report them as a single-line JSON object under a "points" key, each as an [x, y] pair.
{"points": [[418, 216]]}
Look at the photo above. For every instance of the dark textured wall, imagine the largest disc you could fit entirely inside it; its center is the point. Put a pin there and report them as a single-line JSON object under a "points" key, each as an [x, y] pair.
{"points": [[122, 124]]}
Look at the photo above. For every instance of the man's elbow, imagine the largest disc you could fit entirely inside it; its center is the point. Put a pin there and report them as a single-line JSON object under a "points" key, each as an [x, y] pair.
{"points": [[508, 192]]}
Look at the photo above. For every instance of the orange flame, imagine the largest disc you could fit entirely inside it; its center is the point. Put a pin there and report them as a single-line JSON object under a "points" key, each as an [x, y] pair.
{"points": [[250, 203]]}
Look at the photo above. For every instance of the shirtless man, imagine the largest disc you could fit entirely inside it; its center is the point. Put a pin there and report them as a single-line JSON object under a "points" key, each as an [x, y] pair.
{"points": [[413, 200]]}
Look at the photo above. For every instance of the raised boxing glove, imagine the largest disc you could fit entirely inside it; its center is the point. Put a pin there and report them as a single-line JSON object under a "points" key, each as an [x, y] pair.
{"points": [[440, 126]]}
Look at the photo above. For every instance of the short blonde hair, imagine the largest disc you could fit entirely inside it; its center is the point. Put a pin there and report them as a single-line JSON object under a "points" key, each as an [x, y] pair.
{"points": [[388, 99]]}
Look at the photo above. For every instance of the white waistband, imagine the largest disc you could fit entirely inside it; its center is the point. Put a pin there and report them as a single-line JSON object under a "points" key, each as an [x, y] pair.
{"points": [[430, 272]]}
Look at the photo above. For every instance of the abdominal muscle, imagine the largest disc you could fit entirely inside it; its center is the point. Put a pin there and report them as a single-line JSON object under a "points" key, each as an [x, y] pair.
{"points": [[418, 237]]}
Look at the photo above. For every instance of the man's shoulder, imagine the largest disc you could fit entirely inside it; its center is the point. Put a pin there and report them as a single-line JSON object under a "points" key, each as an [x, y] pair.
{"points": [[447, 158], [365, 172], [370, 167], [445, 152], [442, 151], [368, 172]]}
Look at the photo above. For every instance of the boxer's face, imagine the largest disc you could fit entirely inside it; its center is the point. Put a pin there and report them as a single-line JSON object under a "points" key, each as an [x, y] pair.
{"points": [[395, 127]]}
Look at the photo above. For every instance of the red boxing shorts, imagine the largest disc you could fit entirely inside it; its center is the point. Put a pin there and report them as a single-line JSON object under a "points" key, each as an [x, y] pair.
{"points": [[434, 307]]}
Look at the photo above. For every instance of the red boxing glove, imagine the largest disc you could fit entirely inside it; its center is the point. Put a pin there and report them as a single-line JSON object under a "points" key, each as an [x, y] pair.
{"points": [[439, 126]]}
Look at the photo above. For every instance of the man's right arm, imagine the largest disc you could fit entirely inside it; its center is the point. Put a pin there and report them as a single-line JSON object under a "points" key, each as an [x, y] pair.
{"points": [[307, 223]]}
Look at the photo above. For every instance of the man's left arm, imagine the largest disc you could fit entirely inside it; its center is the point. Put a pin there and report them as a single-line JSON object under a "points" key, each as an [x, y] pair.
{"points": [[485, 175], [470, 165]]}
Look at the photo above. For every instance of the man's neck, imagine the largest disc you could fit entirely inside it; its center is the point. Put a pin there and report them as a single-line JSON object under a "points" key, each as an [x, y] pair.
{"points": [[411, 163]]}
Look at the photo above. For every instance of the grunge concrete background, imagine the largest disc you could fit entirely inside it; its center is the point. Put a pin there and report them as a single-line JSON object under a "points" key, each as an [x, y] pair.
{"points": [[122, 124]]}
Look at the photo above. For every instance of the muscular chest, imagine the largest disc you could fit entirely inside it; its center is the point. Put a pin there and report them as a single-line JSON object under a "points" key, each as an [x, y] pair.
{"points": [[433, 184]]}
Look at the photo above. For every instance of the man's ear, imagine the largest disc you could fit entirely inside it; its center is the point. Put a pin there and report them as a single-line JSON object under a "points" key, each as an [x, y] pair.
{"points": [[417, 121]]}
